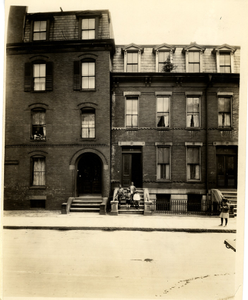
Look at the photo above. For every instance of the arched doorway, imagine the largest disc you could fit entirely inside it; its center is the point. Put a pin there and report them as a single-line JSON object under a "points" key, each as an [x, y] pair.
{"points": [[89, 174]]}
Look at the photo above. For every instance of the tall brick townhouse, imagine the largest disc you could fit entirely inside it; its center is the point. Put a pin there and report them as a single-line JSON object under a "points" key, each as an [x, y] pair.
{"points": [[84, 115], [175, 123], [57, 107]]}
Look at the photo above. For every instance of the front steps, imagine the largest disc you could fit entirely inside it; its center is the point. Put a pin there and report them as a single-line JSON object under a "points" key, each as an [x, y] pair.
{"points": [[132, 210], [86, 204], [231, 195]]}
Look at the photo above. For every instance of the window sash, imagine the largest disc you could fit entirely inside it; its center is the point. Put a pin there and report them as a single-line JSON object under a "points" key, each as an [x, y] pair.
{"points": [[163, 111], [163, 171], [132, 112], [193, 163], [88, 75], [194, 61], [39, 77], [193, 112], [88, 29], [88, 125], [224, 116], [39, 30], [225, 63], [39, 171], [132, 62], [38, 125]]}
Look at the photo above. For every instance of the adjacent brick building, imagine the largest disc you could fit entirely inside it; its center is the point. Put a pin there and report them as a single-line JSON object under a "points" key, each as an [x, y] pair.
{"points": [[57, 107], [84, 115]]}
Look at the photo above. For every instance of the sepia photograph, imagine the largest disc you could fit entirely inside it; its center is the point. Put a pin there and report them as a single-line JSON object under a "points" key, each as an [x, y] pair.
{"points": [[123, 149]]}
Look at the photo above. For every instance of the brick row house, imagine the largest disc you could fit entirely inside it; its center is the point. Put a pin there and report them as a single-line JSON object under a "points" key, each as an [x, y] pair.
{"points": [[57, 107], [175, 125], [84, 115]]}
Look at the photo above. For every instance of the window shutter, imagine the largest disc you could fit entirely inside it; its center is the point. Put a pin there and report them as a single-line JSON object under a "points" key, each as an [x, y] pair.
{"points": [[76, 76], [49, 76], [28, 77]]}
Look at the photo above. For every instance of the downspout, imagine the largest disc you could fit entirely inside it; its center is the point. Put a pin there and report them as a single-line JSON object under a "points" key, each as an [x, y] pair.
{"points": [[206, 108]]}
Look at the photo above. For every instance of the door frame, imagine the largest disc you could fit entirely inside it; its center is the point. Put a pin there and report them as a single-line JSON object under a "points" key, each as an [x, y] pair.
{"points": [[132, 150], [225, 152]]}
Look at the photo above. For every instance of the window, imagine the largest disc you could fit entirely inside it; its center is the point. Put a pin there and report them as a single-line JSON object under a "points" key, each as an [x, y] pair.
{"points": [[194, 58], [39, 30], [132, 58], [38, 131], [38, 76], [163, 163], [224, 109], [88, 29], [194, 61], [88, 123], [225, 58], [132, 62], [193, 163], [162, 57], [225, 62], [88, 75], [131, 111], [39, 171], [193, 112], [163, 110]]}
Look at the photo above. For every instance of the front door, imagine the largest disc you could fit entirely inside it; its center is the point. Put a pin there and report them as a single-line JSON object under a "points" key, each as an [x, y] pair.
{"points": [[132, 169], [89, 174], [227, 170]]}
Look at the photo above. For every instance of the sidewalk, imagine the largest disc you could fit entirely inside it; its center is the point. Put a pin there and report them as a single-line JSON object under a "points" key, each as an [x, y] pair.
{"points": [[40, 219]]}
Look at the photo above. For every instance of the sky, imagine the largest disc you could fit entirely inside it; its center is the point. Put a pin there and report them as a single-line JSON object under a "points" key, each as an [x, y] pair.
{"points": [[212, 22]]}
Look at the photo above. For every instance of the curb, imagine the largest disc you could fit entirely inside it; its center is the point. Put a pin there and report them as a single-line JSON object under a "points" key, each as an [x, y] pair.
{"points": [[65, 228]]}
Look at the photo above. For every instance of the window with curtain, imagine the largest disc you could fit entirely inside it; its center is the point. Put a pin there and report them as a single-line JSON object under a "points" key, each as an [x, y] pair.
{"points": [[163, 163], [132, 61], [88, 75], [132, 112], [225, 62], [88, 123], [163, 110], [38, 124], [39, 171], [193, 112], [193, 163], [194, 61], [39, 76], [39, 30], [224, 116], [88, 29]]}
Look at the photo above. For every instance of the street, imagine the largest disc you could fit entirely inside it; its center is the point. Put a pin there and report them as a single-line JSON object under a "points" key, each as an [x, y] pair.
{"points": [[117, 264]]}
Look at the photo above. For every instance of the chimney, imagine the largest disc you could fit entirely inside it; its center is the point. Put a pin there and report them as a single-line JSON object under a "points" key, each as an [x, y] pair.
{"points": [[16, 24]]}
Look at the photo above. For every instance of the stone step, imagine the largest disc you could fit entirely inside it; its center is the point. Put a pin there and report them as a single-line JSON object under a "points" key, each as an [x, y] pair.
{"points": [[85, 209], [85, 204], [87, 201]]}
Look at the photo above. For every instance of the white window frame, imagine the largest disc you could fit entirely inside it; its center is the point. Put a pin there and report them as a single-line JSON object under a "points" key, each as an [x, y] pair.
{"points": [[193, 95], [88, 30], [158, 165], [199, 147], [38, 136], [163, 95], [225, 49], [226, 96], [92, 111], [34, 158], [39, 31], [88, 75], [40, 77], [135, 95]]}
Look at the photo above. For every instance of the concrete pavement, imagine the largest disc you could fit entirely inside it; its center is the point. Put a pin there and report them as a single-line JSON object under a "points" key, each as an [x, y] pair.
{"points": [[42, 219]]}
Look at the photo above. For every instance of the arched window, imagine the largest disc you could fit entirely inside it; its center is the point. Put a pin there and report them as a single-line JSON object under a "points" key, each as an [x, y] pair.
{"points": [[88, 123], [38, 124]]}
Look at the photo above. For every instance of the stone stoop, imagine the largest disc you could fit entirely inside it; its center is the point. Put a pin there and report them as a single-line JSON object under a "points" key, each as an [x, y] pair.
{"points": [[86, 204], [231, 195], [132, 210]]}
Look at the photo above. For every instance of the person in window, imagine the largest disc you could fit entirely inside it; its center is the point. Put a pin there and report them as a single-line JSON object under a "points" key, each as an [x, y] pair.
{"points": [[132, 191], [224, 208]]}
